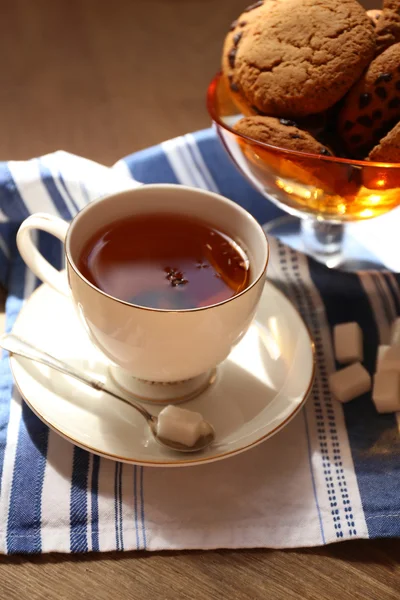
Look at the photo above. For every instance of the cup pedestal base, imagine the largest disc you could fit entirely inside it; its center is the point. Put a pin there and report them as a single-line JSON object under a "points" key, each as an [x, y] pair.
{"points": [[158, 392]]}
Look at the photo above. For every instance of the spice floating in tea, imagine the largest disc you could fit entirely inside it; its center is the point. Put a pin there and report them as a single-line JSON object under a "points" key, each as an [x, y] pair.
{"points": [[175, 277], [165, 261]]}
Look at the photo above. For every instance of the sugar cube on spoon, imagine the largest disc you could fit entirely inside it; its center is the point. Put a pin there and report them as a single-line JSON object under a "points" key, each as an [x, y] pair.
{"points": [[180, 425]]}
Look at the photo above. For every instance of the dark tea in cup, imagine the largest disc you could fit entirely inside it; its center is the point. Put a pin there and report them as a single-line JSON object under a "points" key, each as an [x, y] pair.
{"points": [[165, 261]]}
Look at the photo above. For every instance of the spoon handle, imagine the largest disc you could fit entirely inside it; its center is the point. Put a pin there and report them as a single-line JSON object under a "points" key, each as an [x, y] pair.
{"points": [[15, 345]]}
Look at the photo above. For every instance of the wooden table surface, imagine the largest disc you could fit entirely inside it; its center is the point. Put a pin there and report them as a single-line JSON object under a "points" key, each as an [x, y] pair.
{"points": [[103, 79]]}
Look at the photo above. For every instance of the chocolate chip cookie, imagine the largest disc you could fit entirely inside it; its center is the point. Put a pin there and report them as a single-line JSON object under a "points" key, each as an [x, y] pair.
{"points": [[298, 57], [237, 31], [372, 106], [388, 149], [388, 25], [283, 133]]}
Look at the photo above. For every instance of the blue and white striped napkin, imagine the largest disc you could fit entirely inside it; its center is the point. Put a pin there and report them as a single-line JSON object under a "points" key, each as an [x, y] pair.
{"points": [[332, 474]]}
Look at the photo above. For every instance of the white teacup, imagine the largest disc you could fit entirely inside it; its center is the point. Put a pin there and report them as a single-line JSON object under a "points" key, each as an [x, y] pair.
{"points": [[178, 349]]}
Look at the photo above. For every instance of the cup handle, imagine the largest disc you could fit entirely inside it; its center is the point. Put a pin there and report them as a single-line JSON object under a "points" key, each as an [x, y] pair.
{"points": [[31, 255]]}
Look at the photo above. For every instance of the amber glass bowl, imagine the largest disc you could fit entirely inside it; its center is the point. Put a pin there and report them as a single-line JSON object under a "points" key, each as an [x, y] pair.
{"points": [[330, 189]]}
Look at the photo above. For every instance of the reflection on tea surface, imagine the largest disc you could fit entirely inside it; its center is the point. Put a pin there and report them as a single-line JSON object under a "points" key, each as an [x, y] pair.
{"points": [[165, 261]]}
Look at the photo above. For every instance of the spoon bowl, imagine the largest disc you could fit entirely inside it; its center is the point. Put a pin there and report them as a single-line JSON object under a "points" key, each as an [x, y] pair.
{"points": [[206, 439]]}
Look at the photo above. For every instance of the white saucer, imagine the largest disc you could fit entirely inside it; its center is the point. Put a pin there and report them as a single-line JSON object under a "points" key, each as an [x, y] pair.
{"points": [[258, 389]]}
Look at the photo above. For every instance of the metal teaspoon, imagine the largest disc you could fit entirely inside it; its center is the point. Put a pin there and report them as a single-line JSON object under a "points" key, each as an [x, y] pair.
{"points": [[15, 345]]}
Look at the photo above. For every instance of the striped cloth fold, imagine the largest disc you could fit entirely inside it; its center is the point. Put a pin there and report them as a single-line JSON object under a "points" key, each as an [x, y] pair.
{"points": [[332, 474]]}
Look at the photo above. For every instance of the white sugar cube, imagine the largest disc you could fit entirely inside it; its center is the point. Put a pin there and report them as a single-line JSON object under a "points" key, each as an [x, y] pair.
{"points": [[380, 355], [386, 391], [180, 425], [390, 359], [395, 333], [349, 383], [348, 340]]}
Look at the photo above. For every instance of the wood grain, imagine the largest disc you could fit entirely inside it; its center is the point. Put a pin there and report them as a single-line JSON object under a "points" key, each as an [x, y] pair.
{"points": [[357, 570], [103, 79]]}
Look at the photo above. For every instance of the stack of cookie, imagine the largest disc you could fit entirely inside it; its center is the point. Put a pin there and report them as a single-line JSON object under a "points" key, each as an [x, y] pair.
{"points": [[318, 76]]}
